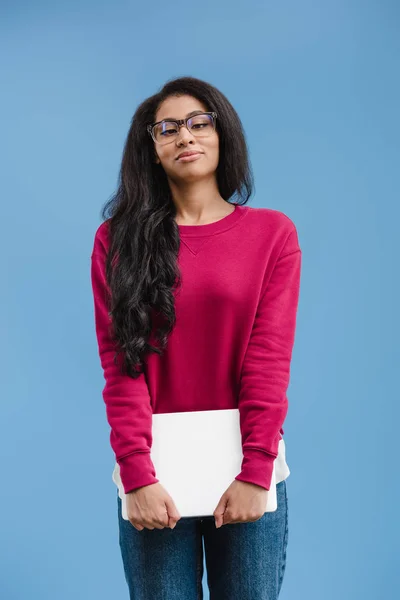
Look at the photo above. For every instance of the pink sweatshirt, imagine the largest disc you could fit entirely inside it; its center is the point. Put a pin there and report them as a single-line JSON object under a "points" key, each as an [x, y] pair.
{"points": [[231, 346]]}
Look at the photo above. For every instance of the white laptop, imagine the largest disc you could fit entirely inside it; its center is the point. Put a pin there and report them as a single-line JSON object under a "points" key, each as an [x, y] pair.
{"points": [[196, 455]]}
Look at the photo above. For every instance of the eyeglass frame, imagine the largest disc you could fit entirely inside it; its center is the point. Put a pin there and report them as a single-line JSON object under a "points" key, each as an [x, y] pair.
{"points": [[180, 122]]}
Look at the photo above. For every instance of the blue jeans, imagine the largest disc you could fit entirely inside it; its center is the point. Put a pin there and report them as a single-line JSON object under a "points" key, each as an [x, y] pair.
{"points": [[244, 561]]}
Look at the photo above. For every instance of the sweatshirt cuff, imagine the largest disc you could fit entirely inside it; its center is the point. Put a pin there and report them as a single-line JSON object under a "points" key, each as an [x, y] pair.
{"points": [[136, 470], [257, 467]]}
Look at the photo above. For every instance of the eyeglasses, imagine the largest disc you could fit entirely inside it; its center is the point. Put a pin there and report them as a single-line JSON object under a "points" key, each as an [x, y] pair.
{"points": [[200, 125]]}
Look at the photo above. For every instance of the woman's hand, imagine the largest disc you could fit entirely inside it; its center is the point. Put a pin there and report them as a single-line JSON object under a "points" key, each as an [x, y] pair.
{"points": [[152, 507], [240, 503]]}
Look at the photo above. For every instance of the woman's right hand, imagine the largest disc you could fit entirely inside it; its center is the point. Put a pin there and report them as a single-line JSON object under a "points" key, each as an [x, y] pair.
{"points": [[152, 507]]}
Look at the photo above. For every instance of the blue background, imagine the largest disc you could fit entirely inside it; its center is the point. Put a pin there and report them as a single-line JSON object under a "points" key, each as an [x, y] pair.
{"points": [[316, 85]]}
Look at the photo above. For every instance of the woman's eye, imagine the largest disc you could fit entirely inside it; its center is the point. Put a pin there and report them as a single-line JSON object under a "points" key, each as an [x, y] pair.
{"points": [[168, 131], [199, 125]]}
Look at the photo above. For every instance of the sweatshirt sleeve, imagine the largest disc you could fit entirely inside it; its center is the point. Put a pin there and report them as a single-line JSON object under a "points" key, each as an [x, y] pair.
{"points": [[265, 376], [127, 400]]}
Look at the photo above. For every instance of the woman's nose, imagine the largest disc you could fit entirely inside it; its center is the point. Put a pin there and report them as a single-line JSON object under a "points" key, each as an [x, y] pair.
{"points": [[184, 133]]}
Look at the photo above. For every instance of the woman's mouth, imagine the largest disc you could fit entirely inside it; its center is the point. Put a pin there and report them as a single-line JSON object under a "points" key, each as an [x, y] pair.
{"points": [[190, 157]]}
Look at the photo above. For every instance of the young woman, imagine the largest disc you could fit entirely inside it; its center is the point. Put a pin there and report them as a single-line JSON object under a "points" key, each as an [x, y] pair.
{"points": [[195, 298]]}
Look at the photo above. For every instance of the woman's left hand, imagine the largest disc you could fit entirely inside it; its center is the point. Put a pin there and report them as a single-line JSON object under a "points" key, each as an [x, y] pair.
{"points": [[240, 503]]}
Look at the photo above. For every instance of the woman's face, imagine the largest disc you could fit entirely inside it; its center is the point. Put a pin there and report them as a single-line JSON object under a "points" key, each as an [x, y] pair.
{"points": [[167, 154]]}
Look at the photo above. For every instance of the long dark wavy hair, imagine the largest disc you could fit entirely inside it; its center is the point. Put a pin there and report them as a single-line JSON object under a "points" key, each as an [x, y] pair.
{"points": [[143, 233]]}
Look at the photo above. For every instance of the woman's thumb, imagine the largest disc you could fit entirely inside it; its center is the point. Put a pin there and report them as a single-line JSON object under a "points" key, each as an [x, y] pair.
{"points": [[173, 513], [219, 511]]}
